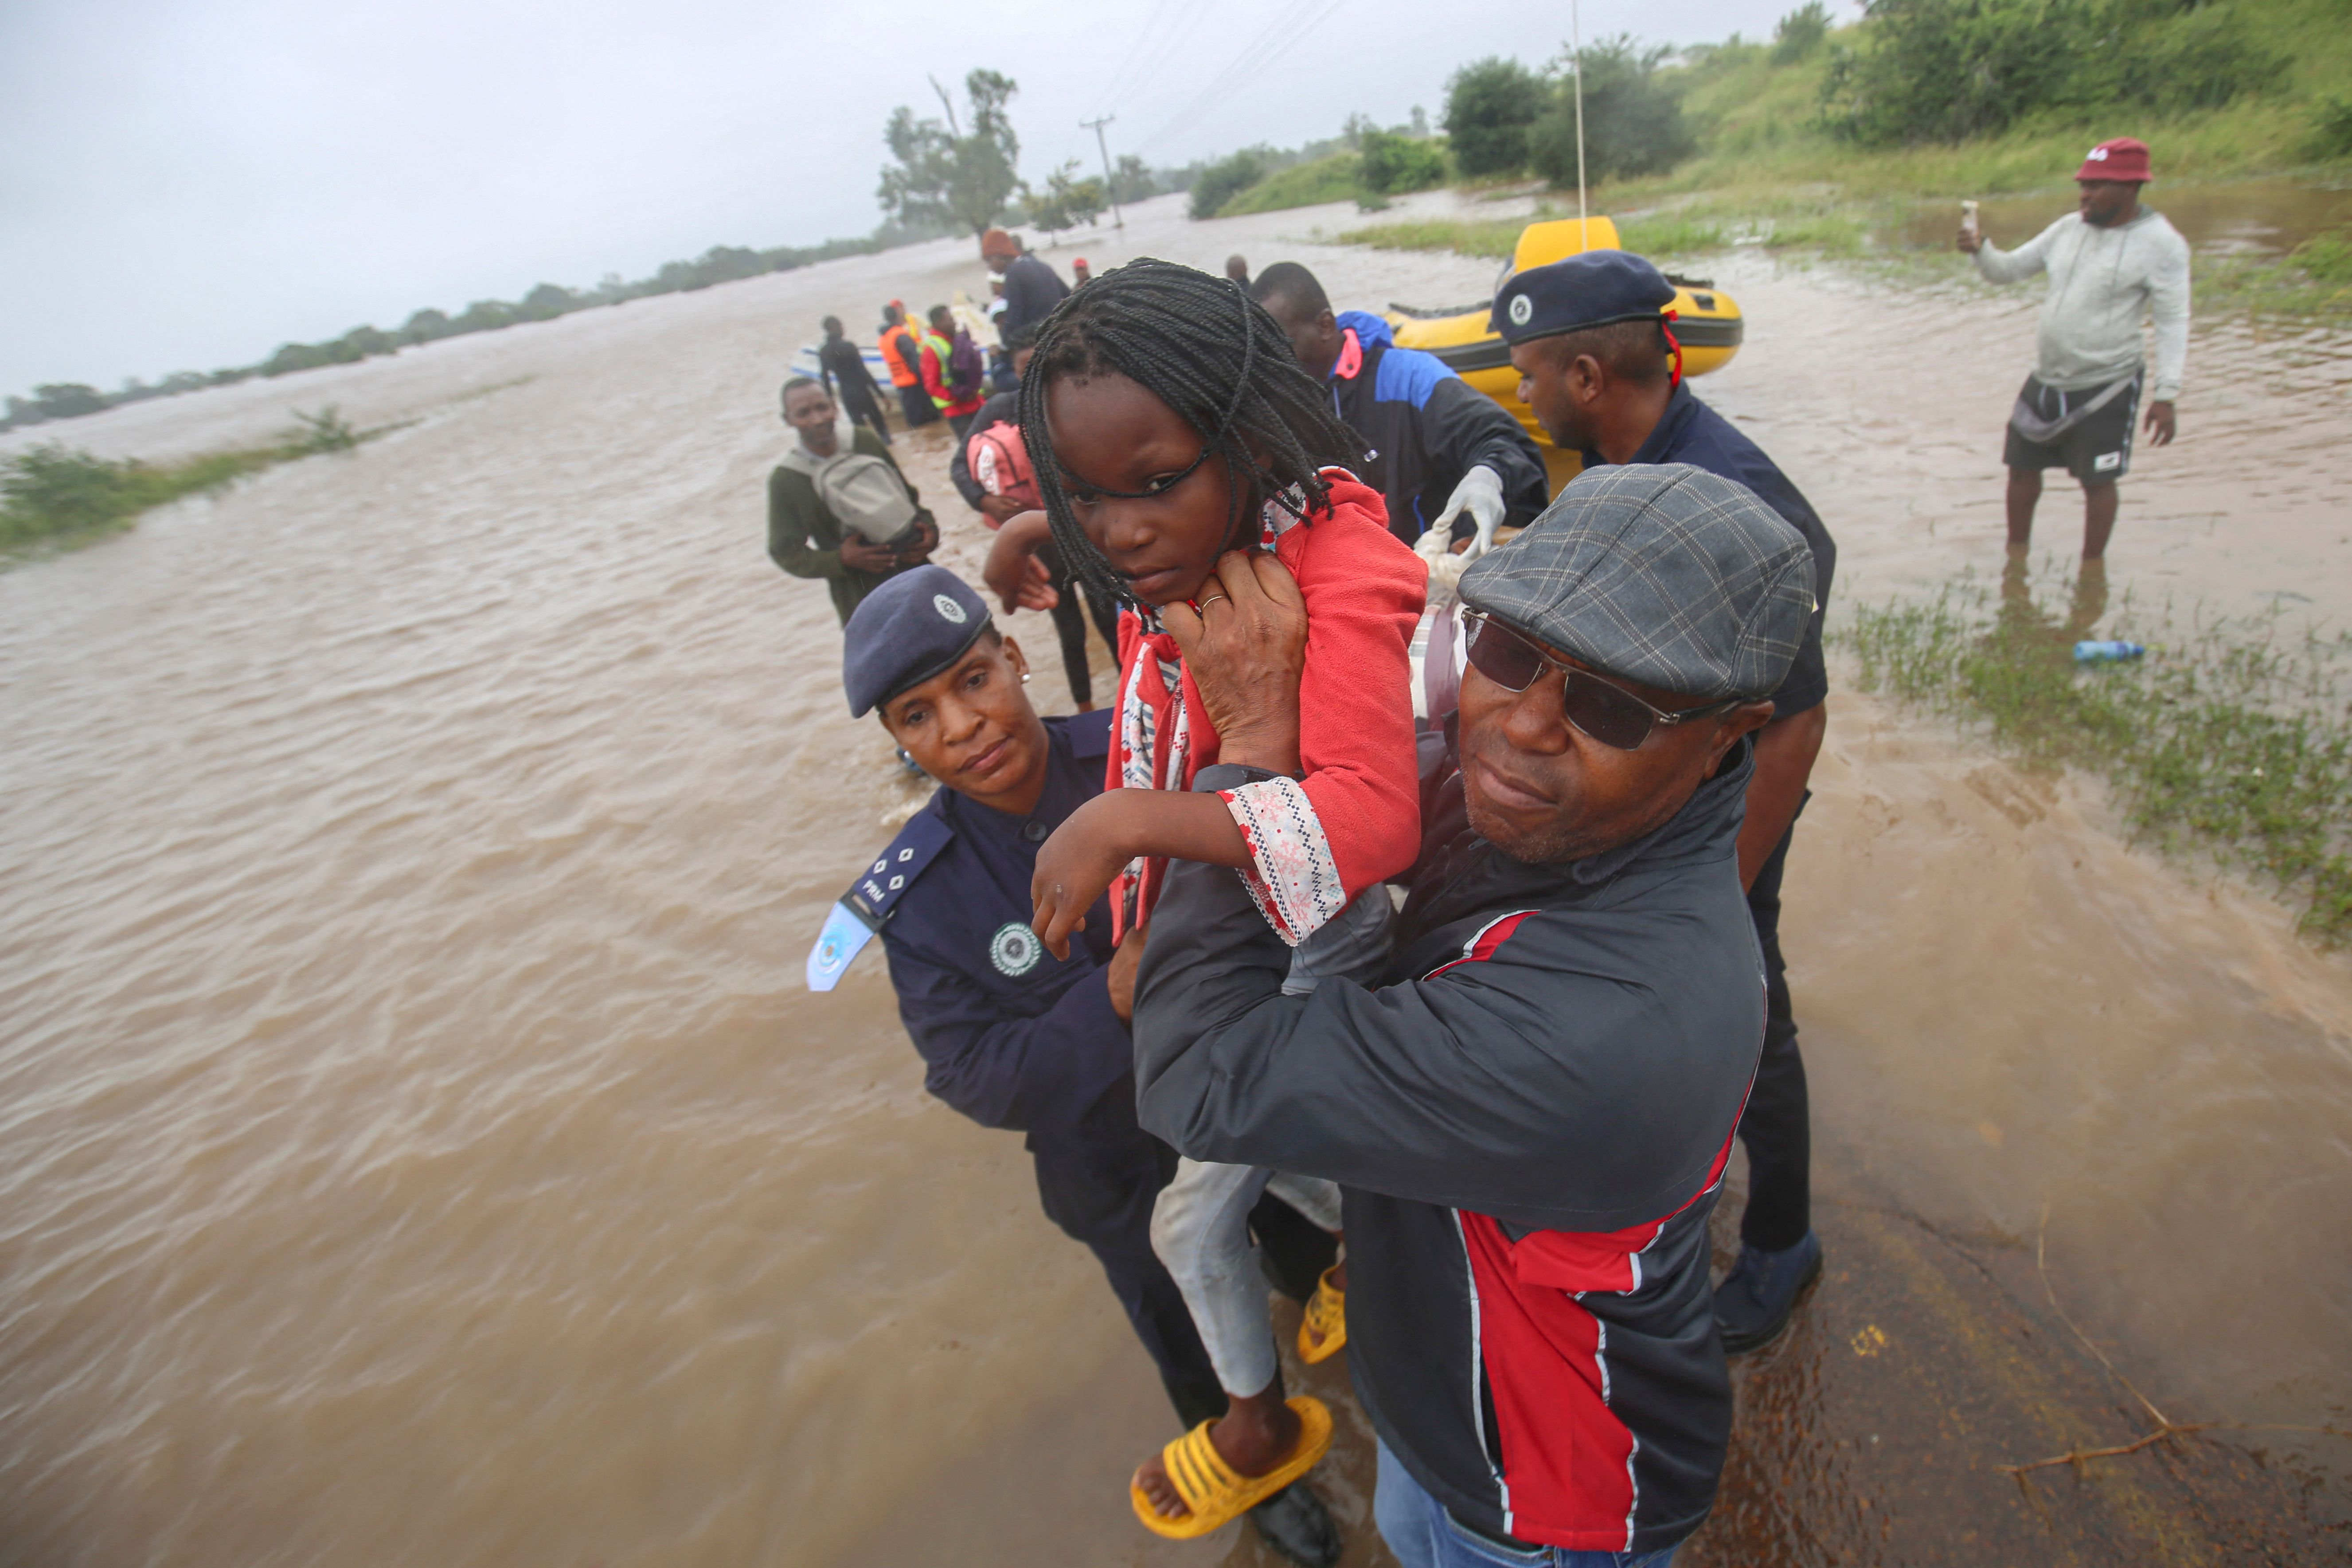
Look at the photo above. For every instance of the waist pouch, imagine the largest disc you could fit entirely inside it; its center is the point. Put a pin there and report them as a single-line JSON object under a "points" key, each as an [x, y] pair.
{"points": [[2028, 421]]}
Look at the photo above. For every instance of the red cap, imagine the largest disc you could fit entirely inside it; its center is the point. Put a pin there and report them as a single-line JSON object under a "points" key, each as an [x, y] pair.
{"points": [[2124, 158], [1081, 261]]}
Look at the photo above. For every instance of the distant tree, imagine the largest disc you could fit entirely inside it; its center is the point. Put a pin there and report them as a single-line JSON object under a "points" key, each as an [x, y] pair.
{"points": [[485, 316], [1633, 122], [946, 177], [291, 357], [1799, 33], [68, 400], [1068, 201], [1132, 180], [1489, 105], [1222, 181], [425, 326], [547, 301], [1393, 165], [360, 342], [181, 381]]}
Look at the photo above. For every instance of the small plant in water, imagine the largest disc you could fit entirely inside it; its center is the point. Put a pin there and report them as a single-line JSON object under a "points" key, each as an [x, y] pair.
{"points": [[325, 431], [2233, 738]]}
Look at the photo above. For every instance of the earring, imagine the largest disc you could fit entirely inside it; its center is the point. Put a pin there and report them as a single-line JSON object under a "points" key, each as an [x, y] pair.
{"points": [[1024, 677]]}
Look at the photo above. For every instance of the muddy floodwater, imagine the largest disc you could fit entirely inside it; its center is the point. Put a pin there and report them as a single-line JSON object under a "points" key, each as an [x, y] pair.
{"points": [[420, 1147], [2244, 217]]}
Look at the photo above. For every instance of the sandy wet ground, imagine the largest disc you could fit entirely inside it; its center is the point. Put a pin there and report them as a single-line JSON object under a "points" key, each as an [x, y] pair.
{"points": [[420, 1148]]}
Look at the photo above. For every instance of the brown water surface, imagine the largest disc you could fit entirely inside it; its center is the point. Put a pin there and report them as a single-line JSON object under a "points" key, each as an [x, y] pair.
{"points": [[2248, 217], [420, 1147]]}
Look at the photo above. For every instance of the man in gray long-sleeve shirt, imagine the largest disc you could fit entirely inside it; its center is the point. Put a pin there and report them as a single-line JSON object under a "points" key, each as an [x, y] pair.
{"points": [[2112, 264]]}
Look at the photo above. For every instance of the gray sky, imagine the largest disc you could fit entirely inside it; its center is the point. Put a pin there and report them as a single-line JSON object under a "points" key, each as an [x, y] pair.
{"points": [[185, 186]]}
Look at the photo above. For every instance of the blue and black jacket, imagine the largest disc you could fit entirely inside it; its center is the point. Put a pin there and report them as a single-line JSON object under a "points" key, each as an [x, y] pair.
{"points": [[1427, 427]]}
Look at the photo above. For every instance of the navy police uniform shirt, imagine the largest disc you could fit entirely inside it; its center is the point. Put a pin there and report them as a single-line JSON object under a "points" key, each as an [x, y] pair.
{"points": [[1010, 1035], [1690, 432]]}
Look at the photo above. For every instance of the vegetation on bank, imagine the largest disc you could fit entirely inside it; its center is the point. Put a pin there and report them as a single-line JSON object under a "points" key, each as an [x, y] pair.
{"points": [[2230, 739], [721, 264], [54, 498], [1364, 162], [1834, 140]]}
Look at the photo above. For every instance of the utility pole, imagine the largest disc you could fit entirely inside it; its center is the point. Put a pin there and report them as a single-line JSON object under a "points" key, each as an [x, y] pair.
{"points": [[1111, 186]]}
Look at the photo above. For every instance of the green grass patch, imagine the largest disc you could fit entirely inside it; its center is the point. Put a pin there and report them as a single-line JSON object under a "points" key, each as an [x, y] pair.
{"points": [[2230, 741], [1465, 237], [53, 498], [1332, 179], [1683, 229]]}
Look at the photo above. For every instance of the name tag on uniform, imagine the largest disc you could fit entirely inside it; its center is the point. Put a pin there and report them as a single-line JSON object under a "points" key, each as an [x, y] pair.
{"points": [[844, 938]]}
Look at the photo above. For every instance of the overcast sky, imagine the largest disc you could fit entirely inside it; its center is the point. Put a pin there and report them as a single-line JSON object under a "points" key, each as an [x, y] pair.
{"points": [[187, 186]]}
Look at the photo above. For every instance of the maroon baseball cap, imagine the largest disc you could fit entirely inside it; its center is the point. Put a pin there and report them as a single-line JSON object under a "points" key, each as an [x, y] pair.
{"points": [[2124, 158]]}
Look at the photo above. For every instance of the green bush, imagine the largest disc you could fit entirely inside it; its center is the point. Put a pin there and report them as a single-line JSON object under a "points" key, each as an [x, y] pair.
{"points": [[1489, 104], [1393, 165], [1332, 179], [1799, 33], [1945, 70], [2332, 129], [1222, 181], [1632, 120]]}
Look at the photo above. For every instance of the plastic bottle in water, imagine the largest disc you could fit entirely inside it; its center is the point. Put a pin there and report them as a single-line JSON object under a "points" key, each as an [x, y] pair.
{"points": [[2098, 652]]}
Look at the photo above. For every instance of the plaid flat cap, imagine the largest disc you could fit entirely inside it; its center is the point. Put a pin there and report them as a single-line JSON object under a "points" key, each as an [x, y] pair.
{"points": [[1666, 576]]}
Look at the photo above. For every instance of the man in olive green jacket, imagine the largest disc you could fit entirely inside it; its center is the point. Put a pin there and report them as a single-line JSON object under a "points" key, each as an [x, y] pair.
{"points": [[803, 536]]}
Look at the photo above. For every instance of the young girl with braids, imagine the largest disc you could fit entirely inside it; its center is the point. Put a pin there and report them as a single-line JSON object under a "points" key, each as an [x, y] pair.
{"points": [[1179, 450]]}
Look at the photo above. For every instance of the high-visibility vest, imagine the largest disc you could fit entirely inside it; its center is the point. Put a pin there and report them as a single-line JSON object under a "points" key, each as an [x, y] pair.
{"points": [[941, 347], [906, 368]]}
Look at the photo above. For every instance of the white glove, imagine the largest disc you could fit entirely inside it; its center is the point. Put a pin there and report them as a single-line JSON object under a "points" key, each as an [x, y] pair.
{"points": [[1445, 567], [1480, 494]]}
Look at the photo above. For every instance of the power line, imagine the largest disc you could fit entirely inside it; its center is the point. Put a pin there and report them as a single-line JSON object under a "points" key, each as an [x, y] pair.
{"points": [[1298, 20], [1111, 186], [1139, 54]]}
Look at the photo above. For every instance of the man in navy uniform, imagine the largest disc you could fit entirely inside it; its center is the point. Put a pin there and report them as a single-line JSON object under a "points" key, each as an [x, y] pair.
{"points": [[1010, 1035], [1590, 338]]}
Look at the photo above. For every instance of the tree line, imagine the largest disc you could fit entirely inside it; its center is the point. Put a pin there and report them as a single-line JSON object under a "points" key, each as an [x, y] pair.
{"points": [[1911, 72], [720, 264]]}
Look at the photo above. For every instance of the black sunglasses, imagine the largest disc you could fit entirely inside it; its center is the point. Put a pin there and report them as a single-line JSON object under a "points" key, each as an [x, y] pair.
{"points": [[1602, 708]]}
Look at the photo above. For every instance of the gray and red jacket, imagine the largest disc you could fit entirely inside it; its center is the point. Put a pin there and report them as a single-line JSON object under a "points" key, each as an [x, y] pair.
{"points": [[1530, 1120]]}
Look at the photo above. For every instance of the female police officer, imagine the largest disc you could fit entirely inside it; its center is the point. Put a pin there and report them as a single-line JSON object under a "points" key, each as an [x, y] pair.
{"points": [[1010, 1035]]}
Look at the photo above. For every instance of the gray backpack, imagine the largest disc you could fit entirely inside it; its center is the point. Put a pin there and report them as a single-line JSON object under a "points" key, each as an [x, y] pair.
{"points": [[862, 491]]}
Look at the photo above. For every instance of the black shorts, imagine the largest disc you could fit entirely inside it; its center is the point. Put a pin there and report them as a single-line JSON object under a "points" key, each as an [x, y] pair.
{"points": [[2096, 449]]}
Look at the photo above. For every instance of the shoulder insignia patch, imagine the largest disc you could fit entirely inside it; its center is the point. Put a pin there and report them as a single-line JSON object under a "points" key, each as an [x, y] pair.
{"points": [[878, 891]]}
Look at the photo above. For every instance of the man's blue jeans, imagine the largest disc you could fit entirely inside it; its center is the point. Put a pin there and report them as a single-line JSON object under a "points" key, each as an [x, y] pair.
{"points": [[1422, 1535]]}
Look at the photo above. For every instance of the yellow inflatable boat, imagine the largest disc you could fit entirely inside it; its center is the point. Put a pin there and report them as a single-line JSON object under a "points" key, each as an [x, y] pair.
{"points": [[1706, 323]]}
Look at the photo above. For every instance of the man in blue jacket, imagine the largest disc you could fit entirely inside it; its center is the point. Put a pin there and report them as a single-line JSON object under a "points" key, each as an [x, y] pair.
{"points": [[1530, 1119], [1440, 450]]}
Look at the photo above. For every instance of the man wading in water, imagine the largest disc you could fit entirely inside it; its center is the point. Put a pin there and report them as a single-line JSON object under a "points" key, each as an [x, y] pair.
{"points": [[832, 494], [2111, 264]]}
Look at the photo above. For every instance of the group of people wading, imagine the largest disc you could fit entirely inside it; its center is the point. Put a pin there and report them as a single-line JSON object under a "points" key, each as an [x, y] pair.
{"points": [[1441, 1023]]}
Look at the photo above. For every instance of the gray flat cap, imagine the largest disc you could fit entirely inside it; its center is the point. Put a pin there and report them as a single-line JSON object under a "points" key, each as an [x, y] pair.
{"points": [[1666, 576]]}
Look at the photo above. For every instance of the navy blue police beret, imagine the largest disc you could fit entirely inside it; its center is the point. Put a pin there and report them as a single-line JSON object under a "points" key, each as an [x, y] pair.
{"points": [[904, 632], [1592, 290]]}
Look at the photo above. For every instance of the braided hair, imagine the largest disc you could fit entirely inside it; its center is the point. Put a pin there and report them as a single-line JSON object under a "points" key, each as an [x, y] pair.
{"points": [[1208, 351]]}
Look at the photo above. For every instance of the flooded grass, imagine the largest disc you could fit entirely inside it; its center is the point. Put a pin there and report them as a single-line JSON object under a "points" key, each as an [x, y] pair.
{"points": [[54, 498], [2232, 739], [1696, 229]]}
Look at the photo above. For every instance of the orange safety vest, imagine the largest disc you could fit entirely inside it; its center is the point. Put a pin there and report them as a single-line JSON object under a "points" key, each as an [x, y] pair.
{"points": [[905, 369]]}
